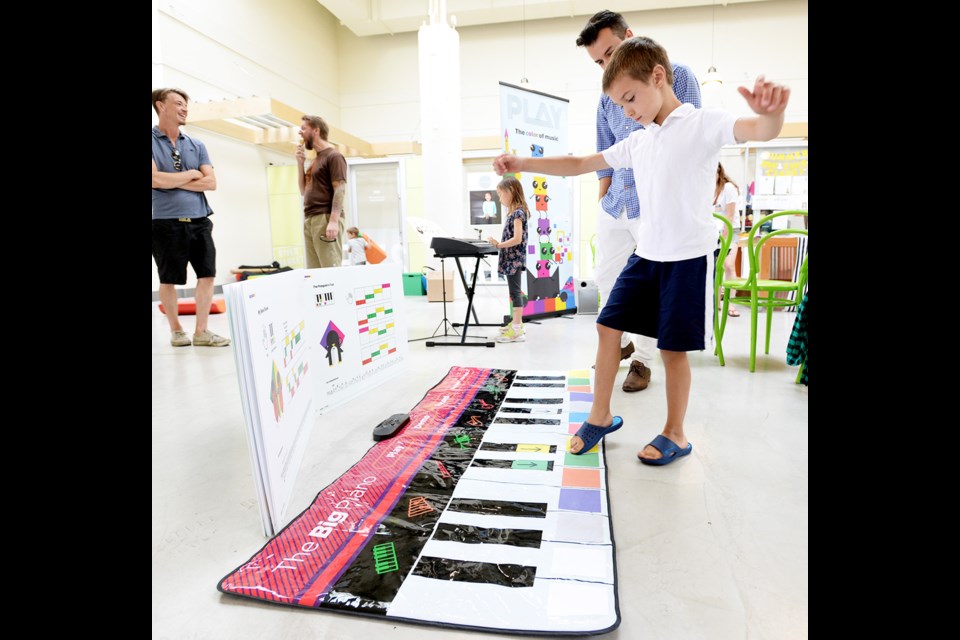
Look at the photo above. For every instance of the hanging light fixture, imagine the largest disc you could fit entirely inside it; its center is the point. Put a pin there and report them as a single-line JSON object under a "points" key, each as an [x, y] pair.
{"points": [[713, 77]]}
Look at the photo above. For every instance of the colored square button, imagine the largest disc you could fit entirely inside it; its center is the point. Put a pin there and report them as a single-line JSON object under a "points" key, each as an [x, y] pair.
{"points": [[594, 449], [587, 478], [580, 500], [585, 460]]}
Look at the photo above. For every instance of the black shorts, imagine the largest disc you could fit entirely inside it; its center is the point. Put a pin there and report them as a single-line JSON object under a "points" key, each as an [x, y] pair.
{"points": [[176, 243]]}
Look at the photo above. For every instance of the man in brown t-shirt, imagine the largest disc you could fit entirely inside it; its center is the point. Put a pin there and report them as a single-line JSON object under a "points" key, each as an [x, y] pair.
{"points": [[323, 189]]}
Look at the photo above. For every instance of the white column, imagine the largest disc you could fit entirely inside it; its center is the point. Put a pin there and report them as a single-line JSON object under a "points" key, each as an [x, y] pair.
{"points": [[156, 61], [439, 49]]}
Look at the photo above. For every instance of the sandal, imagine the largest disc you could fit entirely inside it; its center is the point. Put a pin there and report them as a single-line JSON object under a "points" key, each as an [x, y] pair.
{"points": [[669, 449], [733, 313], [591, 434]]}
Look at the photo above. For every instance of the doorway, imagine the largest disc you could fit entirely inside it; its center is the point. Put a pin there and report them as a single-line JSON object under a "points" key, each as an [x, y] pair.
{"points": [[376, 205]]}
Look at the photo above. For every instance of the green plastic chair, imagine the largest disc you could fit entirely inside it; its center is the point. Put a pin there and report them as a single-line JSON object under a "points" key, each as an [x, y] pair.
{"points": [[593, 251], [755, 286], [725, 244]]}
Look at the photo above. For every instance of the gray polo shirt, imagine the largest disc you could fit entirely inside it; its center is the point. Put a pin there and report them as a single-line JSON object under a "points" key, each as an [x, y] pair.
{"points": [[179, 203]]}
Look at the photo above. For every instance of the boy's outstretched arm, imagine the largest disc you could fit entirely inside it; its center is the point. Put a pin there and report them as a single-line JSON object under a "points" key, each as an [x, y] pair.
{"points": [[552, 166], [769, 101]]}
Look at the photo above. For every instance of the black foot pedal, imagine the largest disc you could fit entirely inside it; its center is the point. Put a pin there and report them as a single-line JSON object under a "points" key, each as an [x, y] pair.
{"points": [[389, 427]]}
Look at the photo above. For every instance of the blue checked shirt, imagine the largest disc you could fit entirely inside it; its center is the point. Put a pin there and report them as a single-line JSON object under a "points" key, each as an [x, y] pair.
{"points": [[613, 126]]}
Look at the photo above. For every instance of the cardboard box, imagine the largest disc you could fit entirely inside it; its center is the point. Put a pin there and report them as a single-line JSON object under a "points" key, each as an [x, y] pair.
{"points": [[435, 287]]}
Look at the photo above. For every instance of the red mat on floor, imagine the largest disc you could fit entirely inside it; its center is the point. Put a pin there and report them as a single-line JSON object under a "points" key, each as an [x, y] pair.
{"points": [[188, 306]]}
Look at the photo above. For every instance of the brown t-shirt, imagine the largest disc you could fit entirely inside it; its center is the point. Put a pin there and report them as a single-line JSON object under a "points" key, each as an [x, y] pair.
{"points": [[328, 166]]}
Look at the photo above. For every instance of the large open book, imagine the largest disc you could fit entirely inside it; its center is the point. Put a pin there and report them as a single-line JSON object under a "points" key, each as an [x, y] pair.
{"points": [[305, 341]]}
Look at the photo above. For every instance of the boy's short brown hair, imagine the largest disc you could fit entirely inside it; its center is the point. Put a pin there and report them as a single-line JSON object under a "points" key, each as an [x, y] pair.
{"points": [[636, 57], [353, 230]]}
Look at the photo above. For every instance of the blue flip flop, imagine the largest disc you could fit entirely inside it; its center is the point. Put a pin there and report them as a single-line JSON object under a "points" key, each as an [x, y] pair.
{"points": [[668, 448], [591, 434]]}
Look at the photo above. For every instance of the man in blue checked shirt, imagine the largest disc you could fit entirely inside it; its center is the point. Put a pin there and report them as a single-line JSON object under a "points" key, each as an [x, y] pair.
{"points": [[618, 211]]}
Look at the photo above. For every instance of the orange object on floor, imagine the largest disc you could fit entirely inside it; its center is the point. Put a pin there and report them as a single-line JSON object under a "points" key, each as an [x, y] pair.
{"points": [[188, 306]]}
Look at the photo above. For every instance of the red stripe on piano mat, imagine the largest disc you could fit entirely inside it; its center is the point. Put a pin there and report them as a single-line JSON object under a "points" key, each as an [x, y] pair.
{"points": [[297, 568]]}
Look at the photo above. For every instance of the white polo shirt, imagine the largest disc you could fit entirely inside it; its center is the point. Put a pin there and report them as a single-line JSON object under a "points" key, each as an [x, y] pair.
{"points": [[675, 170]]}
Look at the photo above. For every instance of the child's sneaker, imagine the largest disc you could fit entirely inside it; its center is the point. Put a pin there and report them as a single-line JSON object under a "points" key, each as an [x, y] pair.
{"points": [[510, 335]]}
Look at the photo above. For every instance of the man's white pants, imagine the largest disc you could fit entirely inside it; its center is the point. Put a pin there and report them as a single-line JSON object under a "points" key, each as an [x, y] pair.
{"points": [[616, 241]]}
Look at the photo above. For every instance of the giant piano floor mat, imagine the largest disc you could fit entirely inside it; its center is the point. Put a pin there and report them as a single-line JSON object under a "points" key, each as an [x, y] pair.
{"points": [[474, 516]]}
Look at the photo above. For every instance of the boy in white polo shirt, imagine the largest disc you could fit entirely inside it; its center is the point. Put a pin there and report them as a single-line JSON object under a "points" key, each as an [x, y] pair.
{"points": [[666, 288]]}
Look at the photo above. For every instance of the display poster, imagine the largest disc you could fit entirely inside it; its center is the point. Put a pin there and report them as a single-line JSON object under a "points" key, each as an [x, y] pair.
{"points": [[535, 124], [306, 341], [781, 181], [486, 219], [485, 207]]}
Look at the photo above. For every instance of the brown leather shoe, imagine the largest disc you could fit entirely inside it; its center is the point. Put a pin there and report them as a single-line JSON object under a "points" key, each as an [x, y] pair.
{"points": [[637, 378], [627, 351]]}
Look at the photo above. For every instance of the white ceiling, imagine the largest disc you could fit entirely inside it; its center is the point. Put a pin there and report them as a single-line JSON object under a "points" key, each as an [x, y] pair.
{"points": [[379, 17]]}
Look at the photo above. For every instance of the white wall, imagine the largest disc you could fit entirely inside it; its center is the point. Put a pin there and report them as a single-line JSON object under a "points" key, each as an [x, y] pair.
{"points": [[284, 49], [225, 49], [297, 52], [380, 85], [380, 103]]}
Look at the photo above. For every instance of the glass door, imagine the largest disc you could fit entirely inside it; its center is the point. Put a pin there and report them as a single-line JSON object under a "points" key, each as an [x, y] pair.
{"points": [[376, 207]]}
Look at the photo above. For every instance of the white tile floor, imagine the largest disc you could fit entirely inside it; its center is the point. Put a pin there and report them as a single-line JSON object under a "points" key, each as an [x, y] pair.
{"points": [[713, 546]]}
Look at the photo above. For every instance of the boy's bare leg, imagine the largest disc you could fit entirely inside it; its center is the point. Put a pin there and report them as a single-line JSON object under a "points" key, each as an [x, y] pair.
{"points": [[677, 369], [607, 365]]}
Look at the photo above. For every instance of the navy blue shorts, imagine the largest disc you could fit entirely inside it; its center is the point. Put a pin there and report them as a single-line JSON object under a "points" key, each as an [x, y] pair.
{"points": [[670, 301]]}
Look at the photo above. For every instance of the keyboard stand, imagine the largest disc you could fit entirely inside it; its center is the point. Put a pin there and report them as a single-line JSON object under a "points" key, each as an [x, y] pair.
{"points": [[466, 322], [443, 323], [470, 291]]}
